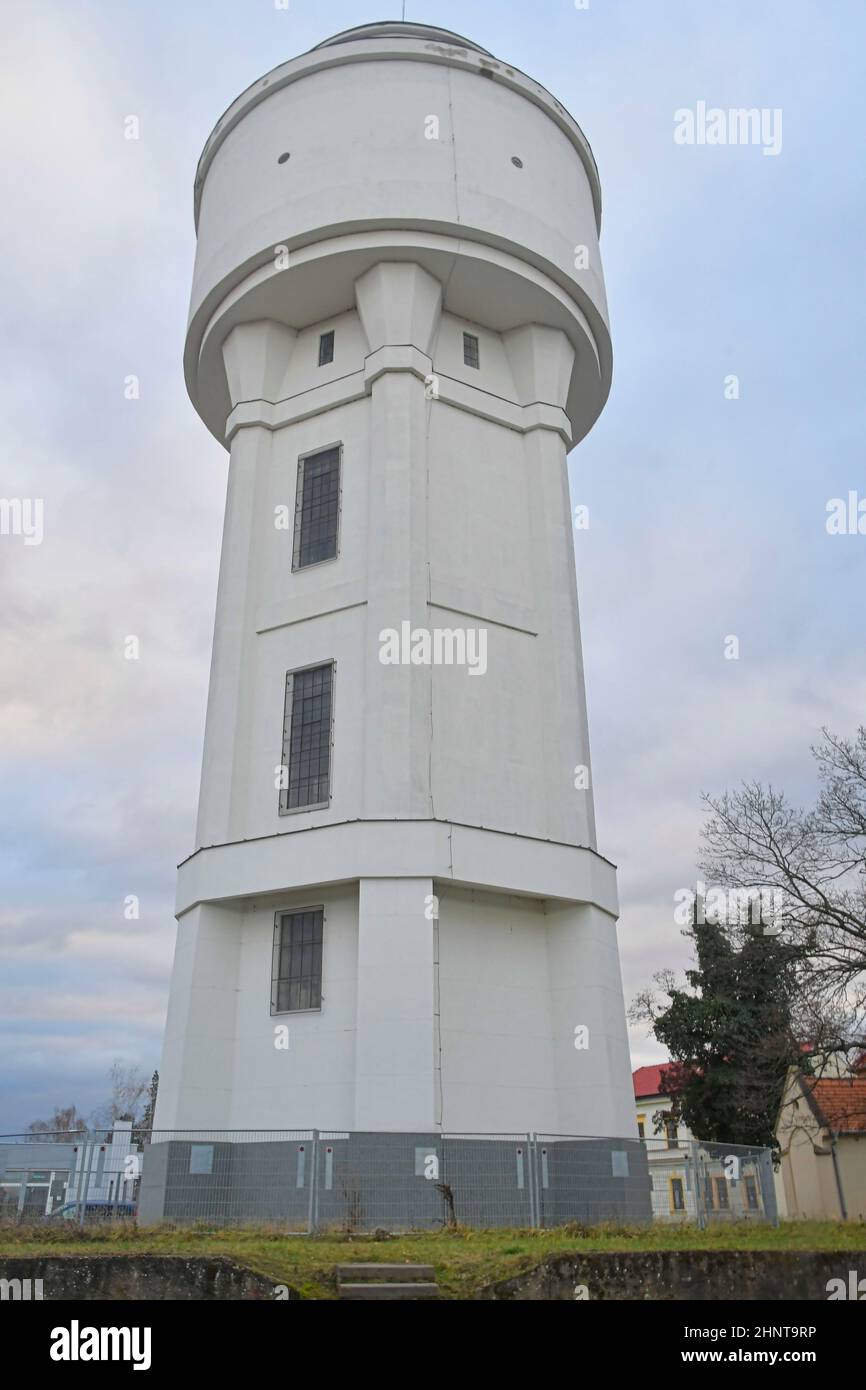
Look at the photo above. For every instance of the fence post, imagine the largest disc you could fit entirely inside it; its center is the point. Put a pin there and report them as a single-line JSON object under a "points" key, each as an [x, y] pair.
{"points": [[699, 1187], [83, 1183], [768, 1186], [312, 1208], [532, 1184]]}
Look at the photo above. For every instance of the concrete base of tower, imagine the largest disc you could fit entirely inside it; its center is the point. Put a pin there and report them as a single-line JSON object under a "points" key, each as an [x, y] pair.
{"points": [[444, 1007]]}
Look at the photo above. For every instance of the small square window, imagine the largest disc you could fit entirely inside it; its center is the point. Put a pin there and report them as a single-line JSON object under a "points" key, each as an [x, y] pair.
{"points": [[201, 1158], [470, 350], [326, 348]]}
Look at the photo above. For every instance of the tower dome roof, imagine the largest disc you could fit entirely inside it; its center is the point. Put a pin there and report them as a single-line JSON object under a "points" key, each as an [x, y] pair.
{"points": [[402, 29]]}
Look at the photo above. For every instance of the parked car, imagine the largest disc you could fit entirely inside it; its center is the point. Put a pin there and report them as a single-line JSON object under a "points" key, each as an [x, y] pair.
{"points": [[94, 1211]]}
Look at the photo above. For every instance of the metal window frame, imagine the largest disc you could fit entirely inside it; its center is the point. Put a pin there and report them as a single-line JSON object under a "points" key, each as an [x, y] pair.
{"points": [[286, 810], [299, 502], [332, 334], [472, 338], [279, 914]]}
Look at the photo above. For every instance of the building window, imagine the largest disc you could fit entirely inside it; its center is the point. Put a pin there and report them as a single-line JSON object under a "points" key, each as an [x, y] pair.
{"points": [[720, 1194], [751, 1186], [470, 350], [317, 508], [641, 1126], [296, 978], [326, 348], [677, 1194], [671, 1133], [307, 732], [10, 1194]]}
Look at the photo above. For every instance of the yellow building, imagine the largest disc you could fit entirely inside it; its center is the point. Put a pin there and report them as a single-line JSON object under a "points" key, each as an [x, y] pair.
{"points": [[822, 1137]]}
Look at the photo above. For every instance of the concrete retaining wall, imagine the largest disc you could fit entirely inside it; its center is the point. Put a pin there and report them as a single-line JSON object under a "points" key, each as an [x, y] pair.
{"points": [[84, 1278], [681, 1275]]}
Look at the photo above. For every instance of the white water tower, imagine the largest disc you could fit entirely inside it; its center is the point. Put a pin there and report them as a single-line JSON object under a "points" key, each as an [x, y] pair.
{"points": [[395, 916]]}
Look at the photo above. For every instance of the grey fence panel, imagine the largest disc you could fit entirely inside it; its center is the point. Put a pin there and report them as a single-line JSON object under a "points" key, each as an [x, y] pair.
{"points": [[69, 1175], [490, 1179], [735, 1183], [305, 1180], [241, 1179], [366, 1181], [591, 1180]]}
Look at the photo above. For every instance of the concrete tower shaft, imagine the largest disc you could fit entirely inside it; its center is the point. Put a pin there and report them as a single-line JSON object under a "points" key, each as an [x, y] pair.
{"points": [[398, 269]]}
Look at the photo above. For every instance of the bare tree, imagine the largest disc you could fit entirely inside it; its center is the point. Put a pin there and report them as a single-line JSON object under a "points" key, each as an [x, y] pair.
{"points": [[65, 1120], [814, 862], [129, 1091], [447, 1194]]}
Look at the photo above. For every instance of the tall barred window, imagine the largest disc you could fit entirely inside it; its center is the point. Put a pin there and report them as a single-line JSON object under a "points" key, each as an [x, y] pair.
{"points": [[296, 976], [307, 726], [470, 350], [326, 348], [317, 508]]}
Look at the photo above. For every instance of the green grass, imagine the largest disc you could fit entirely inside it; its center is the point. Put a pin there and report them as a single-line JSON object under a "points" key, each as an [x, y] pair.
{"points": [[464, 1259]]}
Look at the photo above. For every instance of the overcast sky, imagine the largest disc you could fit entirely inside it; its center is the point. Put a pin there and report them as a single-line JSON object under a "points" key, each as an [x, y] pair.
{"points": [[707, 515]]}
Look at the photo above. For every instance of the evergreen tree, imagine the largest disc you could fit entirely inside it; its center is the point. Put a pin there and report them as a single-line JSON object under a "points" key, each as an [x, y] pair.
{"points": [[150, 1107], [729, 1034]]}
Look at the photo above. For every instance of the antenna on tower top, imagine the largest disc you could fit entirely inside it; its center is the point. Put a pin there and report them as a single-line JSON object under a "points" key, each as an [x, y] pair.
{"points": [[404, 9]]}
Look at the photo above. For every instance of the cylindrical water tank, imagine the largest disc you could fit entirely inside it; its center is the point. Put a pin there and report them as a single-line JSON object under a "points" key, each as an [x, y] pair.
{"points": [[398, 141]]}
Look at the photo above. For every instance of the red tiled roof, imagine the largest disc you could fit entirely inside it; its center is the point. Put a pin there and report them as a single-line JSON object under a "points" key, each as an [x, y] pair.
{"points": [[841, 1103], [648, 1081]]}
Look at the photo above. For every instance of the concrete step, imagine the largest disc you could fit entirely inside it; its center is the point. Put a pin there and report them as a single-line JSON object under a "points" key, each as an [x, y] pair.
{"points": [[393, 1292], [386, 1273]]}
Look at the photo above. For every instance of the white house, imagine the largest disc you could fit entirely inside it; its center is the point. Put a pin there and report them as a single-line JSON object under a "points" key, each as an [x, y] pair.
{"points": [[669, 1146], [693, 1180]]}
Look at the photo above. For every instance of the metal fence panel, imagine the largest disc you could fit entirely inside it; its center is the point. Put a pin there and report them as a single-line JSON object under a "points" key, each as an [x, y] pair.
{"points": [[228, 1178], [370, 1180], [306, 1180], [490, 1179], [591, 1180]]}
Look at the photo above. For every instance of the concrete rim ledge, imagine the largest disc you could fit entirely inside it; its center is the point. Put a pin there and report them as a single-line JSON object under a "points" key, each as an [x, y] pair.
{"points": [[276, 415], [467, 856], [338, 51], [247, 294]]}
